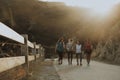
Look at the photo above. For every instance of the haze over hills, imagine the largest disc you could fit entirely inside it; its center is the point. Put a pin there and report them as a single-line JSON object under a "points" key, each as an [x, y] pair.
{"points": [[44, 21]]}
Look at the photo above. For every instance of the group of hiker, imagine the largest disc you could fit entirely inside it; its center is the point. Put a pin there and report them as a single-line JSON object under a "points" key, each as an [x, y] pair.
{"points": [[72, 47]]}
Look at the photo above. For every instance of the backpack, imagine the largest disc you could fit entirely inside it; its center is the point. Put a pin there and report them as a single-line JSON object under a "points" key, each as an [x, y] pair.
{"points": [[60, 47], [88, 48]]}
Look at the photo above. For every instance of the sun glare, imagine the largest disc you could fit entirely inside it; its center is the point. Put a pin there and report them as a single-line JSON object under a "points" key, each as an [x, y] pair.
{"points": [[98, 6]]}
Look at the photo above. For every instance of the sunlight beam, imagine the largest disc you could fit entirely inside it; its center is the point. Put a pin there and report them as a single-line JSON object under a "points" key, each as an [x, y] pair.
{"points": [[98, 6]]}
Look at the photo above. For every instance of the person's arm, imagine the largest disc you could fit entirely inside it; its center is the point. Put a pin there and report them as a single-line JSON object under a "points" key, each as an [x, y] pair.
{"points": [[64, 45], [67, 46], [74, 47], [84, 46], [91, 47], [56, 48]]}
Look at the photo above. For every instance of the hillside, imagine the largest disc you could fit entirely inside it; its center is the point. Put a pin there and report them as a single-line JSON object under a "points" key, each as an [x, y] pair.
{"points": [[45, 22]]}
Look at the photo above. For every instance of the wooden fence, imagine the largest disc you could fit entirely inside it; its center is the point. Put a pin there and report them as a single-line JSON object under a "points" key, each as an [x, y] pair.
{"points": [[7, 63]]}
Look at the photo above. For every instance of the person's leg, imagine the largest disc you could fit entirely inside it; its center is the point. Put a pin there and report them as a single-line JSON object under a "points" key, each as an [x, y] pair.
{"points": [[71, 56], [77, 59], [61, 57], [58, 57], [80, 58], [68, 57], [89, 57]]}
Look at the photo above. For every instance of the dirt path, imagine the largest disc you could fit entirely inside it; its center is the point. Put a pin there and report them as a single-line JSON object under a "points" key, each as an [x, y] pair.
{"points": [[43, 71], [96, 71]]}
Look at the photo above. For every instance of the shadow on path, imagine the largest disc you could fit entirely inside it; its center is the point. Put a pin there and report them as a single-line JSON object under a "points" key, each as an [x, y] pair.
{"points": [[43, 71]]}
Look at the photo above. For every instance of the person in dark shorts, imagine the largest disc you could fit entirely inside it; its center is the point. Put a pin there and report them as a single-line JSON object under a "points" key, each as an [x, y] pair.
{"points": [[88, 51], [60, 50]]}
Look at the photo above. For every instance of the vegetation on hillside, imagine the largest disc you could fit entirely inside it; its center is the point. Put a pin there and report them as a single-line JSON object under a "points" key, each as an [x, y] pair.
{"points": [[45, 22]]}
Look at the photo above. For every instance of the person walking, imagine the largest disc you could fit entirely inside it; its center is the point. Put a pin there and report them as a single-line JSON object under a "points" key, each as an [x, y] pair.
{"points": [[60, 50], [69, 48], [78, 53], [88, 51]]}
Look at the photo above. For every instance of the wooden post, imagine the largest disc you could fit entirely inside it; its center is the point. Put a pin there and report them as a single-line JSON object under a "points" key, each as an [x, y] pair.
{"points": [[26, 53], [43, 53], [21, 49], [39, 51], [35, 51]]}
